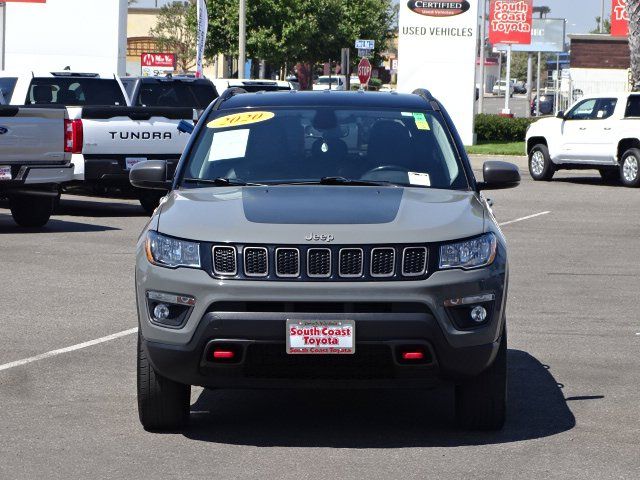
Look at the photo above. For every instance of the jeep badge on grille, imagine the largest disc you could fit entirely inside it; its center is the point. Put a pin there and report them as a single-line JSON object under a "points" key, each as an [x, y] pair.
{"points": [[319, 237]]}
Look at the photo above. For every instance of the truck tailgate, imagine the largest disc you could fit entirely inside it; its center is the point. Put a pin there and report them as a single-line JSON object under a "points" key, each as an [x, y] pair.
{"points": [[32, 135], [134, 131]]}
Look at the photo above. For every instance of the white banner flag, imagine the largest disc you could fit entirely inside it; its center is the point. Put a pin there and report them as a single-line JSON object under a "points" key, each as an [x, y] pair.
{"points": [[203, 25]]}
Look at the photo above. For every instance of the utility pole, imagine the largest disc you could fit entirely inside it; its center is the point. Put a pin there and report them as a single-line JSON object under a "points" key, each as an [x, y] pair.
{"points": [[242, 44], [602, 17], [483, 48]]}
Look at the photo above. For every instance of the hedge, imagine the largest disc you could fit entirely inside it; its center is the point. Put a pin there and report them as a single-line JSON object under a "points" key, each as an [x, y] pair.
{"points": [[494, 128]]}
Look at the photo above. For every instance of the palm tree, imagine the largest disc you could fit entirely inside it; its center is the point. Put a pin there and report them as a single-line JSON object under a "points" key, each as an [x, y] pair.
{"points": [[633, 8]]}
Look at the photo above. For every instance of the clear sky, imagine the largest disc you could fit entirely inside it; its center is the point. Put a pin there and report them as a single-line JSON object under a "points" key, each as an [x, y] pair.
{"points": [[581, 14]]}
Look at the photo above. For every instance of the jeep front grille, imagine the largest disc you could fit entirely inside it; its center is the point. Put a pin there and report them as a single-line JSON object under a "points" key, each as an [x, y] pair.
{"points": [[224, 260], [331, 263], [414, 261], [256, 262], [351, 262], [319, 262], [383, 262], [287, 262]]}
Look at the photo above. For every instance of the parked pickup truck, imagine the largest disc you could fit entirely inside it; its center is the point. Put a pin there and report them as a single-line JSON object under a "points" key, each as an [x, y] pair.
{"points": [[106, 136], [598, 132], [170, 91], [34, 161]]}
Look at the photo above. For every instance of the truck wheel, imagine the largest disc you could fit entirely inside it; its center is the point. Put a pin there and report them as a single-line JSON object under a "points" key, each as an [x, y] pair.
{"points": [[162, 403], [629, 168], [481, 402], [150, 200], [31, 211], [540, 165]]}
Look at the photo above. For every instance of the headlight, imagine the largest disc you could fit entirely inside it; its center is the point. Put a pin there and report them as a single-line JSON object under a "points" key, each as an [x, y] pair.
{"points": [[171, 252], [474, 253]]}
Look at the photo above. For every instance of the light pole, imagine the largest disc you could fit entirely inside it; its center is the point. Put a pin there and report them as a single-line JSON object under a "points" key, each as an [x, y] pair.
{"points": [[242, 37], [483, 47], [3, 28], [602, 17]]}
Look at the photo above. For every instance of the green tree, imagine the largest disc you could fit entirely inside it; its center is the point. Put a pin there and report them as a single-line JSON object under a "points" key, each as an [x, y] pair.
{"points": [[175, 32], [607, 26]]}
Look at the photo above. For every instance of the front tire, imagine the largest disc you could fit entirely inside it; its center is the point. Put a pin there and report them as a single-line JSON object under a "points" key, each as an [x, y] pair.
{"points": [[481, 402], [162, 403], [629, 168], [31, 210], [541, 167]]}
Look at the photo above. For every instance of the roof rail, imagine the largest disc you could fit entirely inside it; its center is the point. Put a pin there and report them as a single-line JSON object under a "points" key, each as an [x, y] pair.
{"points": [[430, 99]]}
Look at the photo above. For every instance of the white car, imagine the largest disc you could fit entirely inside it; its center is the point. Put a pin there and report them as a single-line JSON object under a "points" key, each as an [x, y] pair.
{"points": [[598, 132], [105, 135], [331, 82], [249, 85], [501, 87]]}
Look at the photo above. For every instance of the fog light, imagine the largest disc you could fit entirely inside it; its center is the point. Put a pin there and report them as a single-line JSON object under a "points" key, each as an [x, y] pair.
{"points": [[161, 311], [478, 314]]}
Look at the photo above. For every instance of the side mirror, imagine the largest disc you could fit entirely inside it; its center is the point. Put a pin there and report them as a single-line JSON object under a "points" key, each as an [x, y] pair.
{"points": [[499, 175], [151, 175], [560, 114], [185, 127]]}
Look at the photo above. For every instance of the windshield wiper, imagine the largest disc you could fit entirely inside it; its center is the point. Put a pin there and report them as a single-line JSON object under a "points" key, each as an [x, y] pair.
{"points": [[222, 182], [341, 181]]}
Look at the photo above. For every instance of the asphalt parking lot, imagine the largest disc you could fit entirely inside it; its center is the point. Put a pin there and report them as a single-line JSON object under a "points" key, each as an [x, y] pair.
{"points": [[574, 334]]}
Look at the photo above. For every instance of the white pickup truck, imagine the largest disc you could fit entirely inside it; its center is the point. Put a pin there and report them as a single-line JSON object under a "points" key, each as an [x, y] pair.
{"points": [[34, 161], [105, 135], [598, 132]]}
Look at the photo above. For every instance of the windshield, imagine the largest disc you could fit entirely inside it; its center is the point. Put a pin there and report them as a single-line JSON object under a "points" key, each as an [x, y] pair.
{"points": [[176, 94], [281, 145], [75, 92]]}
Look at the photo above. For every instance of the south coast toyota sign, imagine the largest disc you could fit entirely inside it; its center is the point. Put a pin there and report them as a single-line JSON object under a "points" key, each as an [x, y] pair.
{"points": [[438, 9]]}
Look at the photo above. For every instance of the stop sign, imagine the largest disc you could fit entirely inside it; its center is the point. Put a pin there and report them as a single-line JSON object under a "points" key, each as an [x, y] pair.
{"points": [[364, 71]]}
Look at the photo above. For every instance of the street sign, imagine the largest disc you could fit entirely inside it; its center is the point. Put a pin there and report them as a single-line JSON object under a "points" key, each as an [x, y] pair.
{"points": [[364, 71], [366, 44], [510, 22], [364, 52]]}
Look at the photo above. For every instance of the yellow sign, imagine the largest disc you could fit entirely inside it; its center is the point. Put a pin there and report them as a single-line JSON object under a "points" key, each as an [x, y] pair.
{"points": [[238, 119]]}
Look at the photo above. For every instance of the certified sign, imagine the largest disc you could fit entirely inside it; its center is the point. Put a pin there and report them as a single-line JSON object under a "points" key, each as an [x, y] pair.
{"points": [[157, 64], [321, 337], [438, 9]]}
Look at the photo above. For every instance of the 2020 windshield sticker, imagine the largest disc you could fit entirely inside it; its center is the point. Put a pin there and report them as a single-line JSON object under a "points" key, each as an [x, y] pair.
{"points": [[421, 121], [238, 119]]}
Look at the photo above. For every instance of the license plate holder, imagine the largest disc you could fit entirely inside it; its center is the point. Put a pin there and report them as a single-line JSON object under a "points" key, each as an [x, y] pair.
{"points": [[131, 161], [5, 172], [321, 337]]}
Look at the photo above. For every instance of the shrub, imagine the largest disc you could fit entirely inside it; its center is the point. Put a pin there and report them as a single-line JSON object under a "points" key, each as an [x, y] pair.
{"points": [[494, 128]]}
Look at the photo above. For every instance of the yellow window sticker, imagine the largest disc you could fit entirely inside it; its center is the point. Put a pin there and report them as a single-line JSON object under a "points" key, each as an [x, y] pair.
{"points": [[238, 119], [421, 121]]}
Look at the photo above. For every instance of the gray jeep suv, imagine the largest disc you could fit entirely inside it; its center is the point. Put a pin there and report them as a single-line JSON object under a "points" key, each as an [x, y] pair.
{"points": [[322, 239]]}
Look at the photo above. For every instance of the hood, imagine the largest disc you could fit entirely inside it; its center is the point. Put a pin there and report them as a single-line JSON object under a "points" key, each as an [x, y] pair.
{"points": [[352, 215]]}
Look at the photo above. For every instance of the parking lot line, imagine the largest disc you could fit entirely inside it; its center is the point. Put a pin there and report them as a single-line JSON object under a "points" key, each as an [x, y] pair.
{"points": [[72, 348], [528, 217]]}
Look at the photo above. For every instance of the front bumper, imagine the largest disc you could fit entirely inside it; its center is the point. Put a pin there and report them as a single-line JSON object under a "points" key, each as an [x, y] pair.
{"points": [[33, 177], [259, 333]]}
